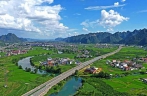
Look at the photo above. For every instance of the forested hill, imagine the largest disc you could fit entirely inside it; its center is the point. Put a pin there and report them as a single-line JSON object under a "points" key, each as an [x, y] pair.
{"points": [[137, 37], [11, 38]]}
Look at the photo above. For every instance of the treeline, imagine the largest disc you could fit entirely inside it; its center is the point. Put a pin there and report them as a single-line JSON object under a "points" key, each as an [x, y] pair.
{"points": [[53, 69], [137, 37]]}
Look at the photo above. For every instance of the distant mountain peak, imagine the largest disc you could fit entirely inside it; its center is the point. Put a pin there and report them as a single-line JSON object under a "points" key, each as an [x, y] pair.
{"points": [[136, 37], [10, 38]]}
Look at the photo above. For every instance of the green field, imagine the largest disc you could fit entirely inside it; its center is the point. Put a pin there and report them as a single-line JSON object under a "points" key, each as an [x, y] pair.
{"points": [[18, 81], [131, 83], [97, 87], [91, 47], [127, 53]]}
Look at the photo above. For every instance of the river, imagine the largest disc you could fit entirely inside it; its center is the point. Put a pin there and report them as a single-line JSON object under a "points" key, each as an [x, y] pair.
{"points": [[70, 87], [26, 63]]}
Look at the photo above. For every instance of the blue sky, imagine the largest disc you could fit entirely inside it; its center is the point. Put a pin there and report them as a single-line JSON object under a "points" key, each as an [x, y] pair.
{"points": [[49, 19]]}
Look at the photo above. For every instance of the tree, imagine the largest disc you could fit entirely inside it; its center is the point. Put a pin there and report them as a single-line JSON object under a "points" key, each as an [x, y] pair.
{"points": [[76, 72], [35, 70], [58, 70], [20, 67], [101, 74], [40, 67], [27, 69]]}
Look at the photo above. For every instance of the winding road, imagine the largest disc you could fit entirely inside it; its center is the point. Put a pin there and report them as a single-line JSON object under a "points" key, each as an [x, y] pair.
{"points": [[42, 89]]}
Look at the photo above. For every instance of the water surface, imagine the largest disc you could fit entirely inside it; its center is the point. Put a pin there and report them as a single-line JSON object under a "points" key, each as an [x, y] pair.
{"points": [[70, 87]]}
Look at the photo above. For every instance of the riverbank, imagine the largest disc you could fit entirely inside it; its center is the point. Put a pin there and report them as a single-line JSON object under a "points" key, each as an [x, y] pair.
{"points": [[66, 87]]}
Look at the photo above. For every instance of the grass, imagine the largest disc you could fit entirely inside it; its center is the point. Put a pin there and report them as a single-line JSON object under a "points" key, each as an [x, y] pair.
{"points": [[87, 87], [2, 54], [106, 68], [127, 53], [130, 84], [18, 80]]}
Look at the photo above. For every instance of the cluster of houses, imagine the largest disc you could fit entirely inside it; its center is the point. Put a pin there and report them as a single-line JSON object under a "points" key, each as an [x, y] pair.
{"points": [[15, 49], [92, 70], [16, 52], [56, 61], [126, 64]]}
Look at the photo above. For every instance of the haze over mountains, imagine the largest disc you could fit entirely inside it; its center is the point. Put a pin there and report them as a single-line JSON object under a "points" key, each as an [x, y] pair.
{"points": [[137, 37]]}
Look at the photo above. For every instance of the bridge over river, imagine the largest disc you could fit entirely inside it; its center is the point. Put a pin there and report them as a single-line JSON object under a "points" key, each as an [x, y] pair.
{"points": [[42, 89]]}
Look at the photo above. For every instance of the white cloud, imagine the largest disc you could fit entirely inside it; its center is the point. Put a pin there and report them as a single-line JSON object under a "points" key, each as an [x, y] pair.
{"points": [[116, 4], [73, 34], [104, 7], [88, 23], [32, 16], [108, 20], [85, 23], [111, 19], [77, 14], [142, 11], [123, 0], [86, 30]]}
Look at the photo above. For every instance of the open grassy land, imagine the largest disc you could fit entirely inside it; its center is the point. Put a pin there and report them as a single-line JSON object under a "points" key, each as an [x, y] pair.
{"points": [[19, 81], [94, 49], [130, 83]]}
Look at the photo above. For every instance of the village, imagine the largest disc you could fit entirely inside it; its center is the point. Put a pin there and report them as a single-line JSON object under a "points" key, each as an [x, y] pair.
{"points": [[56, 61], [14, 49], [126, 65]]}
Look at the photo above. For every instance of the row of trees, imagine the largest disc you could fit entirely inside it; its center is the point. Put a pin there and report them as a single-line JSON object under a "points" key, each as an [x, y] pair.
{"points": [[28, 69], [102, 75]]}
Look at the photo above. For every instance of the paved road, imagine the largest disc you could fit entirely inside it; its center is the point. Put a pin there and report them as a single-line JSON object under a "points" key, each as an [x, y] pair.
{"points": [[42, 89]]}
